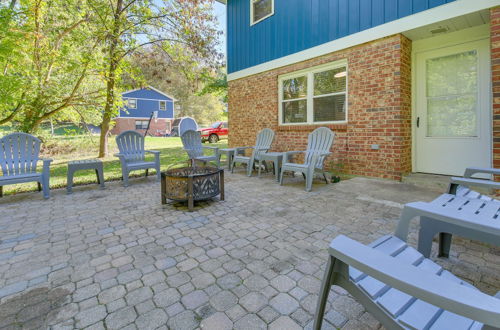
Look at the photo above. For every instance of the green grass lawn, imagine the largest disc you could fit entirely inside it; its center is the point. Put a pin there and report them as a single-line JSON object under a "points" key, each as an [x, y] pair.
{"points": [[65, 148]]}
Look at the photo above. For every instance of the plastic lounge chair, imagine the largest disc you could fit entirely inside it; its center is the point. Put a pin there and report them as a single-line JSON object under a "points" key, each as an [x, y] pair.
{"points": [[464, 212], [19, 159], [318, 148], [404, 290], [132, 155], [191, 140], [262, 144]]}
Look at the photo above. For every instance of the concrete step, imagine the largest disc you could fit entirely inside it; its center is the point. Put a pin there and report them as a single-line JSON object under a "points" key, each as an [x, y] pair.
{"points": [[435, 182]]}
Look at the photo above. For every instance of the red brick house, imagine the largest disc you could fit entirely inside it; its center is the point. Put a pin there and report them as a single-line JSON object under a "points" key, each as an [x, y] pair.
{"points": [[407, 86]]}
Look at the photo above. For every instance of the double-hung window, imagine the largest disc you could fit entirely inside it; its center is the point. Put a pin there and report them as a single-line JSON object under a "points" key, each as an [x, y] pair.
{"points": [[141, 124], [132, 103], [163, 105], [260, 10], [317, 95]]}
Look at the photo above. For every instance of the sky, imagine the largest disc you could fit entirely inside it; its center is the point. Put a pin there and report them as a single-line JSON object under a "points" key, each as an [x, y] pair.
{"points": [[220, 12]]}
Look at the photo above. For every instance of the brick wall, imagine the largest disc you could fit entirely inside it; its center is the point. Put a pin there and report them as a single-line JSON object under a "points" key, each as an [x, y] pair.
{"points": [[495, 81], [379, 78], [124, 124]]}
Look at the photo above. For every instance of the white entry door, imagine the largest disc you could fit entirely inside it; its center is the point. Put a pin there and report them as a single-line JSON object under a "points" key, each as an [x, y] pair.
{"points": [[453, 116]]}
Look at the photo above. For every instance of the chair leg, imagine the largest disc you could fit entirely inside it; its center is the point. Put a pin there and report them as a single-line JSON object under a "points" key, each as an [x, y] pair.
{"points": [[100, 176], [309, 180], [323, 293], [125, 179], [158, 171], [324, 176], [281, 177], [260, 168], [444, 245], [147, 172], [425, 236], [233, 163], [45, 187], [69, 182]]}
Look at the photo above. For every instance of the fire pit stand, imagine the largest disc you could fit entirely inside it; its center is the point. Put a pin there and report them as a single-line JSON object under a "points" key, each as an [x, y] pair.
{"points": [[190, 184]]}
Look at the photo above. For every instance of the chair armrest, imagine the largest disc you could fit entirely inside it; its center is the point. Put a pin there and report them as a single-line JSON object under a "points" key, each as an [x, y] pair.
{"points": [[418, 283], [154, 152], [119, 155], [212, 148], [475, 182], [473, 170], [46, 160]]}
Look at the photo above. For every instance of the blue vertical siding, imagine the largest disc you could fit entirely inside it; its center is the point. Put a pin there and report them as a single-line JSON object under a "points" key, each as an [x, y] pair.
{"points": [[301, 24]]}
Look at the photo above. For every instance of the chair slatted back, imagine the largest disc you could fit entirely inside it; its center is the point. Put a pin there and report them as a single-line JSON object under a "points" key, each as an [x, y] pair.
{"points": [[131, 145], [264, 140], [19, 154], [319, 141], [191, 140], [186, 124]]}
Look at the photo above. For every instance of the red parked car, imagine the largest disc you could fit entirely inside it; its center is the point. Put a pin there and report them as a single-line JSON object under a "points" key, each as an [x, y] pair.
{"points": [[217, 131]]}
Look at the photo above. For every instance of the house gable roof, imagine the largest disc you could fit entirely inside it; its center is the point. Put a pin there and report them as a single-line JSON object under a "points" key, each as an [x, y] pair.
{"points": [[124, 94]]}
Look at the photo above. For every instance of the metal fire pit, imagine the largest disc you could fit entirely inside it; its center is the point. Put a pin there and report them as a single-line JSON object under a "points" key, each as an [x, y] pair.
{"points": [[190, 184]]}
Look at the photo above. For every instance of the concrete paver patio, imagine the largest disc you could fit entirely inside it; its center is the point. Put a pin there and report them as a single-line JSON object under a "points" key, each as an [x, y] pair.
{"points": [[119, 259]]}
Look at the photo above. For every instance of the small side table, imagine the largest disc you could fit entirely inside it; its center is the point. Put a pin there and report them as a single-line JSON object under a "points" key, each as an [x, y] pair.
{"points": [[229, 152], [276, 158], [85, 164]]}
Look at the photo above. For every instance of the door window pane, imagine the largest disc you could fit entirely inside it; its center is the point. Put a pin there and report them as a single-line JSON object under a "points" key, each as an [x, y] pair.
{"points": [[452, 95], [329, 108], [261, 9], [452, 116], [295, 111], [331, 81]]}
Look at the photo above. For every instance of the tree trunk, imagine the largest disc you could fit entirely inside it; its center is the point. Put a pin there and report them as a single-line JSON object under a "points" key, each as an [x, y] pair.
{"points": [[111, 80]]}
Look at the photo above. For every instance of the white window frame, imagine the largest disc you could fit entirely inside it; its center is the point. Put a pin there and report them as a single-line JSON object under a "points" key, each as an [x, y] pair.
{"points": [[142, 123], [309, 73], [128, 103], [252, 22], [159, 105]]}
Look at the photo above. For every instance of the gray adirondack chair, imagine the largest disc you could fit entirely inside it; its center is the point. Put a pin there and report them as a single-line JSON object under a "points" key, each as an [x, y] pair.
{"points": [[404, 290], [191, 140], [262, 144], [18, 160], [318, 148], [462, 212], [132, 155]]}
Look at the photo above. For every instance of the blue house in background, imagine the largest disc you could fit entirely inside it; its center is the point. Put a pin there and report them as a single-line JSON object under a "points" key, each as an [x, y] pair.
{"points": [[139, 104], [407, 85]]}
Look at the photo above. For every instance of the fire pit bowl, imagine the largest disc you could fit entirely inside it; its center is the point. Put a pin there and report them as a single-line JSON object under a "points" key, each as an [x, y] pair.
{"points": [[190, 184]]}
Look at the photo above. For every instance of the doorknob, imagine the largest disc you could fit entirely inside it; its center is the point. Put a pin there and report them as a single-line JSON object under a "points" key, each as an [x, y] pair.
{"points": [[418, 122]]}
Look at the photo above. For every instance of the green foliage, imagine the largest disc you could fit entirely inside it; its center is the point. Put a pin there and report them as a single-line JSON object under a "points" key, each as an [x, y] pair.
{"points": [[48, 64], [69, 60]]}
